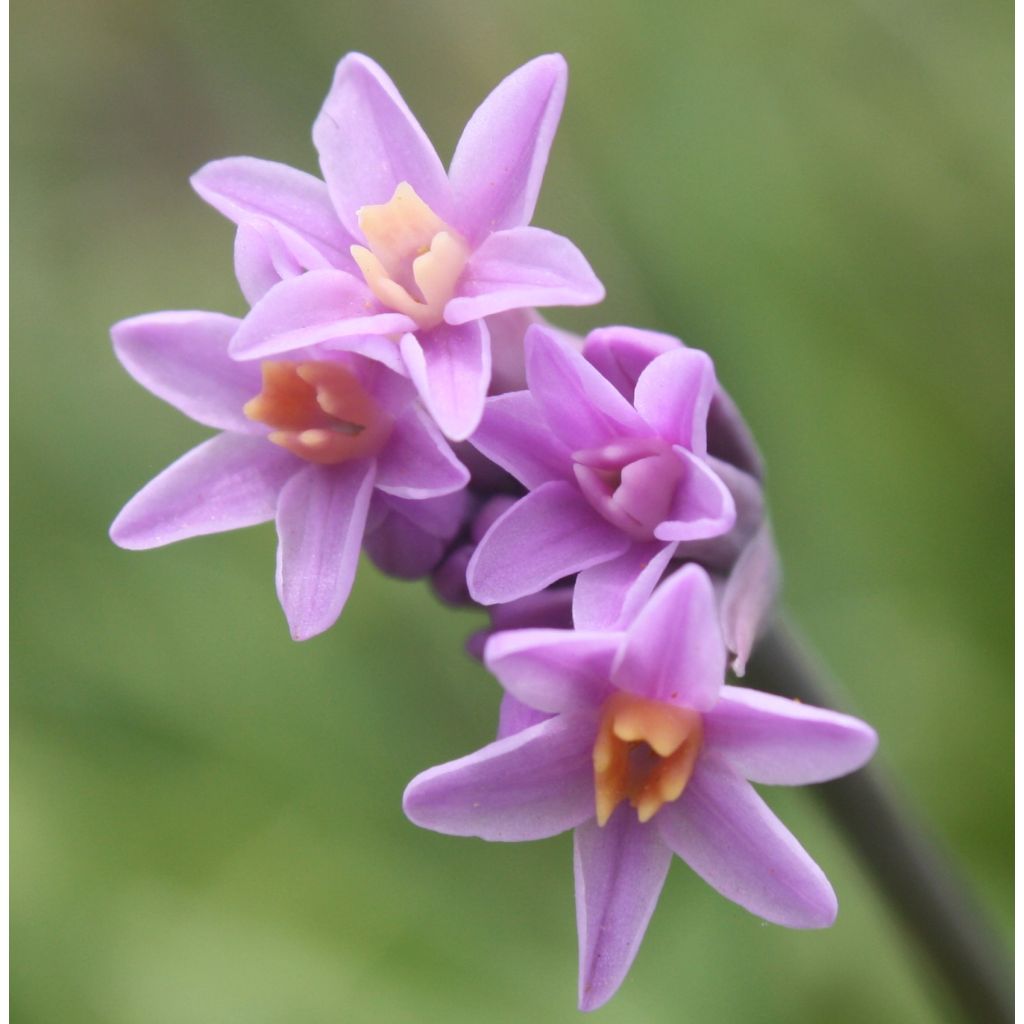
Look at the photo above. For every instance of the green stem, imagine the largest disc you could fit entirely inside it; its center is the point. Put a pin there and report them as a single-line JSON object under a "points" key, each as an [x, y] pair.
{"points": [[918, 882]]}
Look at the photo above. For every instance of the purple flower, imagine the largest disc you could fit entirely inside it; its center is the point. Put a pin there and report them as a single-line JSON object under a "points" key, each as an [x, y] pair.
{"points": [[614, 485], [319, 443], [390, 245], [744, 562], [645, 753]]}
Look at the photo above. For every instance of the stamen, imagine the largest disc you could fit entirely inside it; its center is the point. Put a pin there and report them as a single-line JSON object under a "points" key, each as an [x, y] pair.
{"points": [[645, 751]]}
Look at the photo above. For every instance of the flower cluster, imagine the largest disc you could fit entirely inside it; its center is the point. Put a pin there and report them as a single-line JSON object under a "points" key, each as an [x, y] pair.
{"points": [[605, 504]]}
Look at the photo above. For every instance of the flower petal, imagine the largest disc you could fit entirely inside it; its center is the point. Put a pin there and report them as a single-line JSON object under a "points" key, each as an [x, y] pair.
{"points": [[622, 353], [730, 837], [320, 519], [264, 256], [451, 368], [551, 533], [534, 784], [702, 506], [182, 357], [610, 595], [520, 268], [514, 716], [674, 650], [243, 187], [417, 462], [553, 670], [514, 434], [303, 311], [369, 142], [225, 483], [782, 742], [749, 596], [673, 394], [582, 408], [620, 870], [408, 539], [499, 162], [729, 437]]}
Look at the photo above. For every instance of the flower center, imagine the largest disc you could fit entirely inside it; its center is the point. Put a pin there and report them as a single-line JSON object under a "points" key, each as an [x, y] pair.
{"points": [[414, 259], [320, 411], [644, 752], [630, 482]]}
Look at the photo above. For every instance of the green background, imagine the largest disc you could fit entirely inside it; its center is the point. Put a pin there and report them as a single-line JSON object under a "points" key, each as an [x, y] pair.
{"points": [[207, 826]]}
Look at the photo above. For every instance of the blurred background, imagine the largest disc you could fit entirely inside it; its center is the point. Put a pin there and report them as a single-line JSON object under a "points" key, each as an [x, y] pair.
{"points": [[206, 817]]}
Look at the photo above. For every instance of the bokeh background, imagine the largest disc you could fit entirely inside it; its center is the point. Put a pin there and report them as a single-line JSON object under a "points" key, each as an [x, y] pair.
{"points": [[207, 827]]}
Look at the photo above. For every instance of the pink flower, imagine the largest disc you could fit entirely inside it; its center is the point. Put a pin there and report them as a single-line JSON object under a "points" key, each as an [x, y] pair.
{"points": [[319, 443], [631, 739], [391, 246]]}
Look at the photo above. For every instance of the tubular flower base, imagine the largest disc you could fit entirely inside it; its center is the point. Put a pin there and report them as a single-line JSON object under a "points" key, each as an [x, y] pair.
{"points": [[609, 512], [645, 752]]}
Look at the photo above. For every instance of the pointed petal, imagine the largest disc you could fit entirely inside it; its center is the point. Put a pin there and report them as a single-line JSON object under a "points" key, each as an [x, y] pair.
{"points": [[499, 162], [554, 670], [520, 268], [451, 368], [182, 357], [508, 360], [369, 142], [782, 742], [244, 187], [264, 256], [225, 483], [674, 649], [534, 784], [514, 434], [673, 394], [610, 595], [620, 870], [749, 596], [622, 353], [702, 506], [316, 307], [730, 837], [582, 408], [320, 520], [551, 533], [417, 462]]}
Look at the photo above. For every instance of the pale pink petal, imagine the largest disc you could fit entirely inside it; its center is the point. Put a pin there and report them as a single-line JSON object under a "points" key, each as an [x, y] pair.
{"points": [[499, 163], [783, 742], [514, 434], [519, 268], [674, 649], [551, 533], [225, 483], [702, 506], [514, 716], [451, 368], [583, 409], [673, 394], [417, 462], [534, 784], [610, 595], [182, 357], [508, 360], [369, 142], [622, 353], [620, 869], [264, 256], [749, 596], [553, 670], [320, 520], [320, 306], [244, 187], [730, 837]]}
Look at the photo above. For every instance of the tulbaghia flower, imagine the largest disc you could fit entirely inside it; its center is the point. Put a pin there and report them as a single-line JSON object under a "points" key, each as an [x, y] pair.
{"points": [[644, 752], [744, 562], [614, 485], [319, 443], [390, 246]]}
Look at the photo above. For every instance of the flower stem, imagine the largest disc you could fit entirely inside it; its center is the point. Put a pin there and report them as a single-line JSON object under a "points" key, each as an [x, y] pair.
{"points": [[918, 882]]}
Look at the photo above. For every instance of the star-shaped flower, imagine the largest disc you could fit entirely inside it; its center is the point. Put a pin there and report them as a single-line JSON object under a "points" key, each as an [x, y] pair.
{"points": [[318, 443], [389, 244], [645, 753]]}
